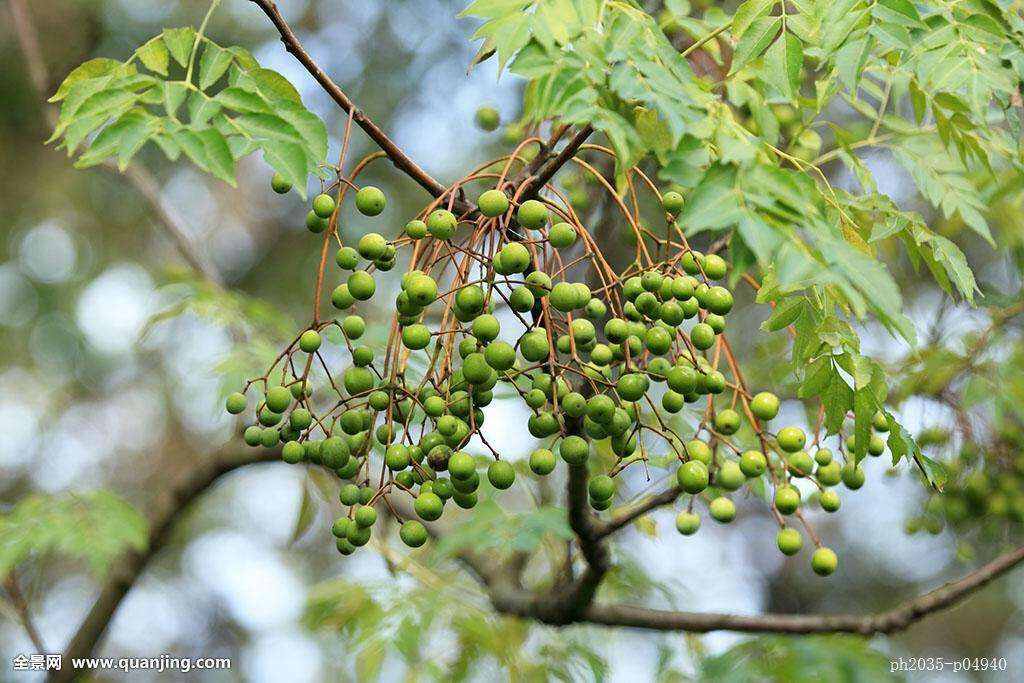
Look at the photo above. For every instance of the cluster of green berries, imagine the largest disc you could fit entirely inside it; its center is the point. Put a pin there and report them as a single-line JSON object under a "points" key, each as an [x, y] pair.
{"points": [[593, 367]]}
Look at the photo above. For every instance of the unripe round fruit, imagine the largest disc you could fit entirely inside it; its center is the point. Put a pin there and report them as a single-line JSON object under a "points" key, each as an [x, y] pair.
{"points": [[292, 452], [672, 202], [353, 326], [574, 450], [300, 419], [501, 474], [492, 203], [658, 340], [357, 380], [521, 299], [253, 435], [280, 184], [853, 476], [601, 487], [441, 223], [235, 403], [470, 300], [753, 463], [334, 452], [702, 336], [534, 346], [349, 494], [461, 465], [718, 300], [416, 337], [715, 267], [475, 368], [269, 437], [682, 379], [429, 506], [532, 214], [789, 541], [787, 500], [824, 561], [361, 285], [729, 476], [370, 200], [693, 476], [800, 464], [323, 205], [791, 439], [823, 457], [315, 224], [341, 298], [880, 422], [347, 258], [371, 246], [309, 341], [416, 229], [632, 386], [487, 118], [340, 527], [562, 235], [542, 462], [514, 258], [278, 399], [500, 355], [563, 297], [765, 405], [829, 501], [722, 510], [357, 535], [413, 533], [727, 422], [687, 523], [876, 445], [699, 451], [365, 516]]}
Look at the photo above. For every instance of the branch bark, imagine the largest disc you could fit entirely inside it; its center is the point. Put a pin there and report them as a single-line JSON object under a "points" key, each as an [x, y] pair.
{"points": [[162, 522]]}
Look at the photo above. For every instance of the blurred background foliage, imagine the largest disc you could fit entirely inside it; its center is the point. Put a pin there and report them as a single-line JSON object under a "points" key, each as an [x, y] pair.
{"points": [[115, 361]]}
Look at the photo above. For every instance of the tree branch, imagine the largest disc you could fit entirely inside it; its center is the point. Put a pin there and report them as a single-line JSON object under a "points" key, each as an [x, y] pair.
{"points": [[399, 158], [127, 571], [139, 177], [640, 507]]}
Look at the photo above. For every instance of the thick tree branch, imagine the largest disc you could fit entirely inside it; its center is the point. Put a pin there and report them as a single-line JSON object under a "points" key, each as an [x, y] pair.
{"points": [[127, 571], [622, 517], [139, 177]]}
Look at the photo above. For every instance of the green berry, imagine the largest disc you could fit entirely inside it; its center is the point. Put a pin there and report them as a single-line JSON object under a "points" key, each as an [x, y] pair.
{"points": [[347, 258], [687, 523], [753, 463], [765, 405], [532, 214], [791, 439], [702, 336], [315, 224], [416, 229], [461, 465], [500, 355], [789, 541], [829, 501], [852, 476], [487, 118], [501, 474], [823, 457], [278, 399], [370, 200], [253, 435], [441, 223], [323, 205], [492, 203], [365, 516], [800, 464], [727, 421], [371, 246], [574, 450], [416, 337], [699, 451], [269, 437], [341, 298], [729, 476], [542, 462], [413, 533], [309, 341], [292, 452], [722, 510], [361, 285], [824, 561], [429, 506], [353, 326], [235, 403], [787, 500], [672, 202], [693, 476], [280, 184], [562, 235], [601, 487]]}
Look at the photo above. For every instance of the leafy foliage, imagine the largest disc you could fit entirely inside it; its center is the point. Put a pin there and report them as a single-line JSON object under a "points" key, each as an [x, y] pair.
{"points": [[95, 527], [781, 658], [187, 94]]}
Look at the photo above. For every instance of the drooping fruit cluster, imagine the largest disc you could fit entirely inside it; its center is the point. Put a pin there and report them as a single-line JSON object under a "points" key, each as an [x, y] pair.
{"points": [[513, 296]]}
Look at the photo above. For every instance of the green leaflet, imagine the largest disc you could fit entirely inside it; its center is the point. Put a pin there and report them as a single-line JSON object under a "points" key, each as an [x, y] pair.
{"points": [[257, 110]]}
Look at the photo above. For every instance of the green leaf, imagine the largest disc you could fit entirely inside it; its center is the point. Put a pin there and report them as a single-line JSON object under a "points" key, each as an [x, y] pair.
{"points": [[244, 101], [782, 64], [95, 527], [179, 42], [175, 93], [747, 12], [273, 85], [213, 64], [850, 61], [755, 40], [220, 162], [155, 56], [94, 68]]}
